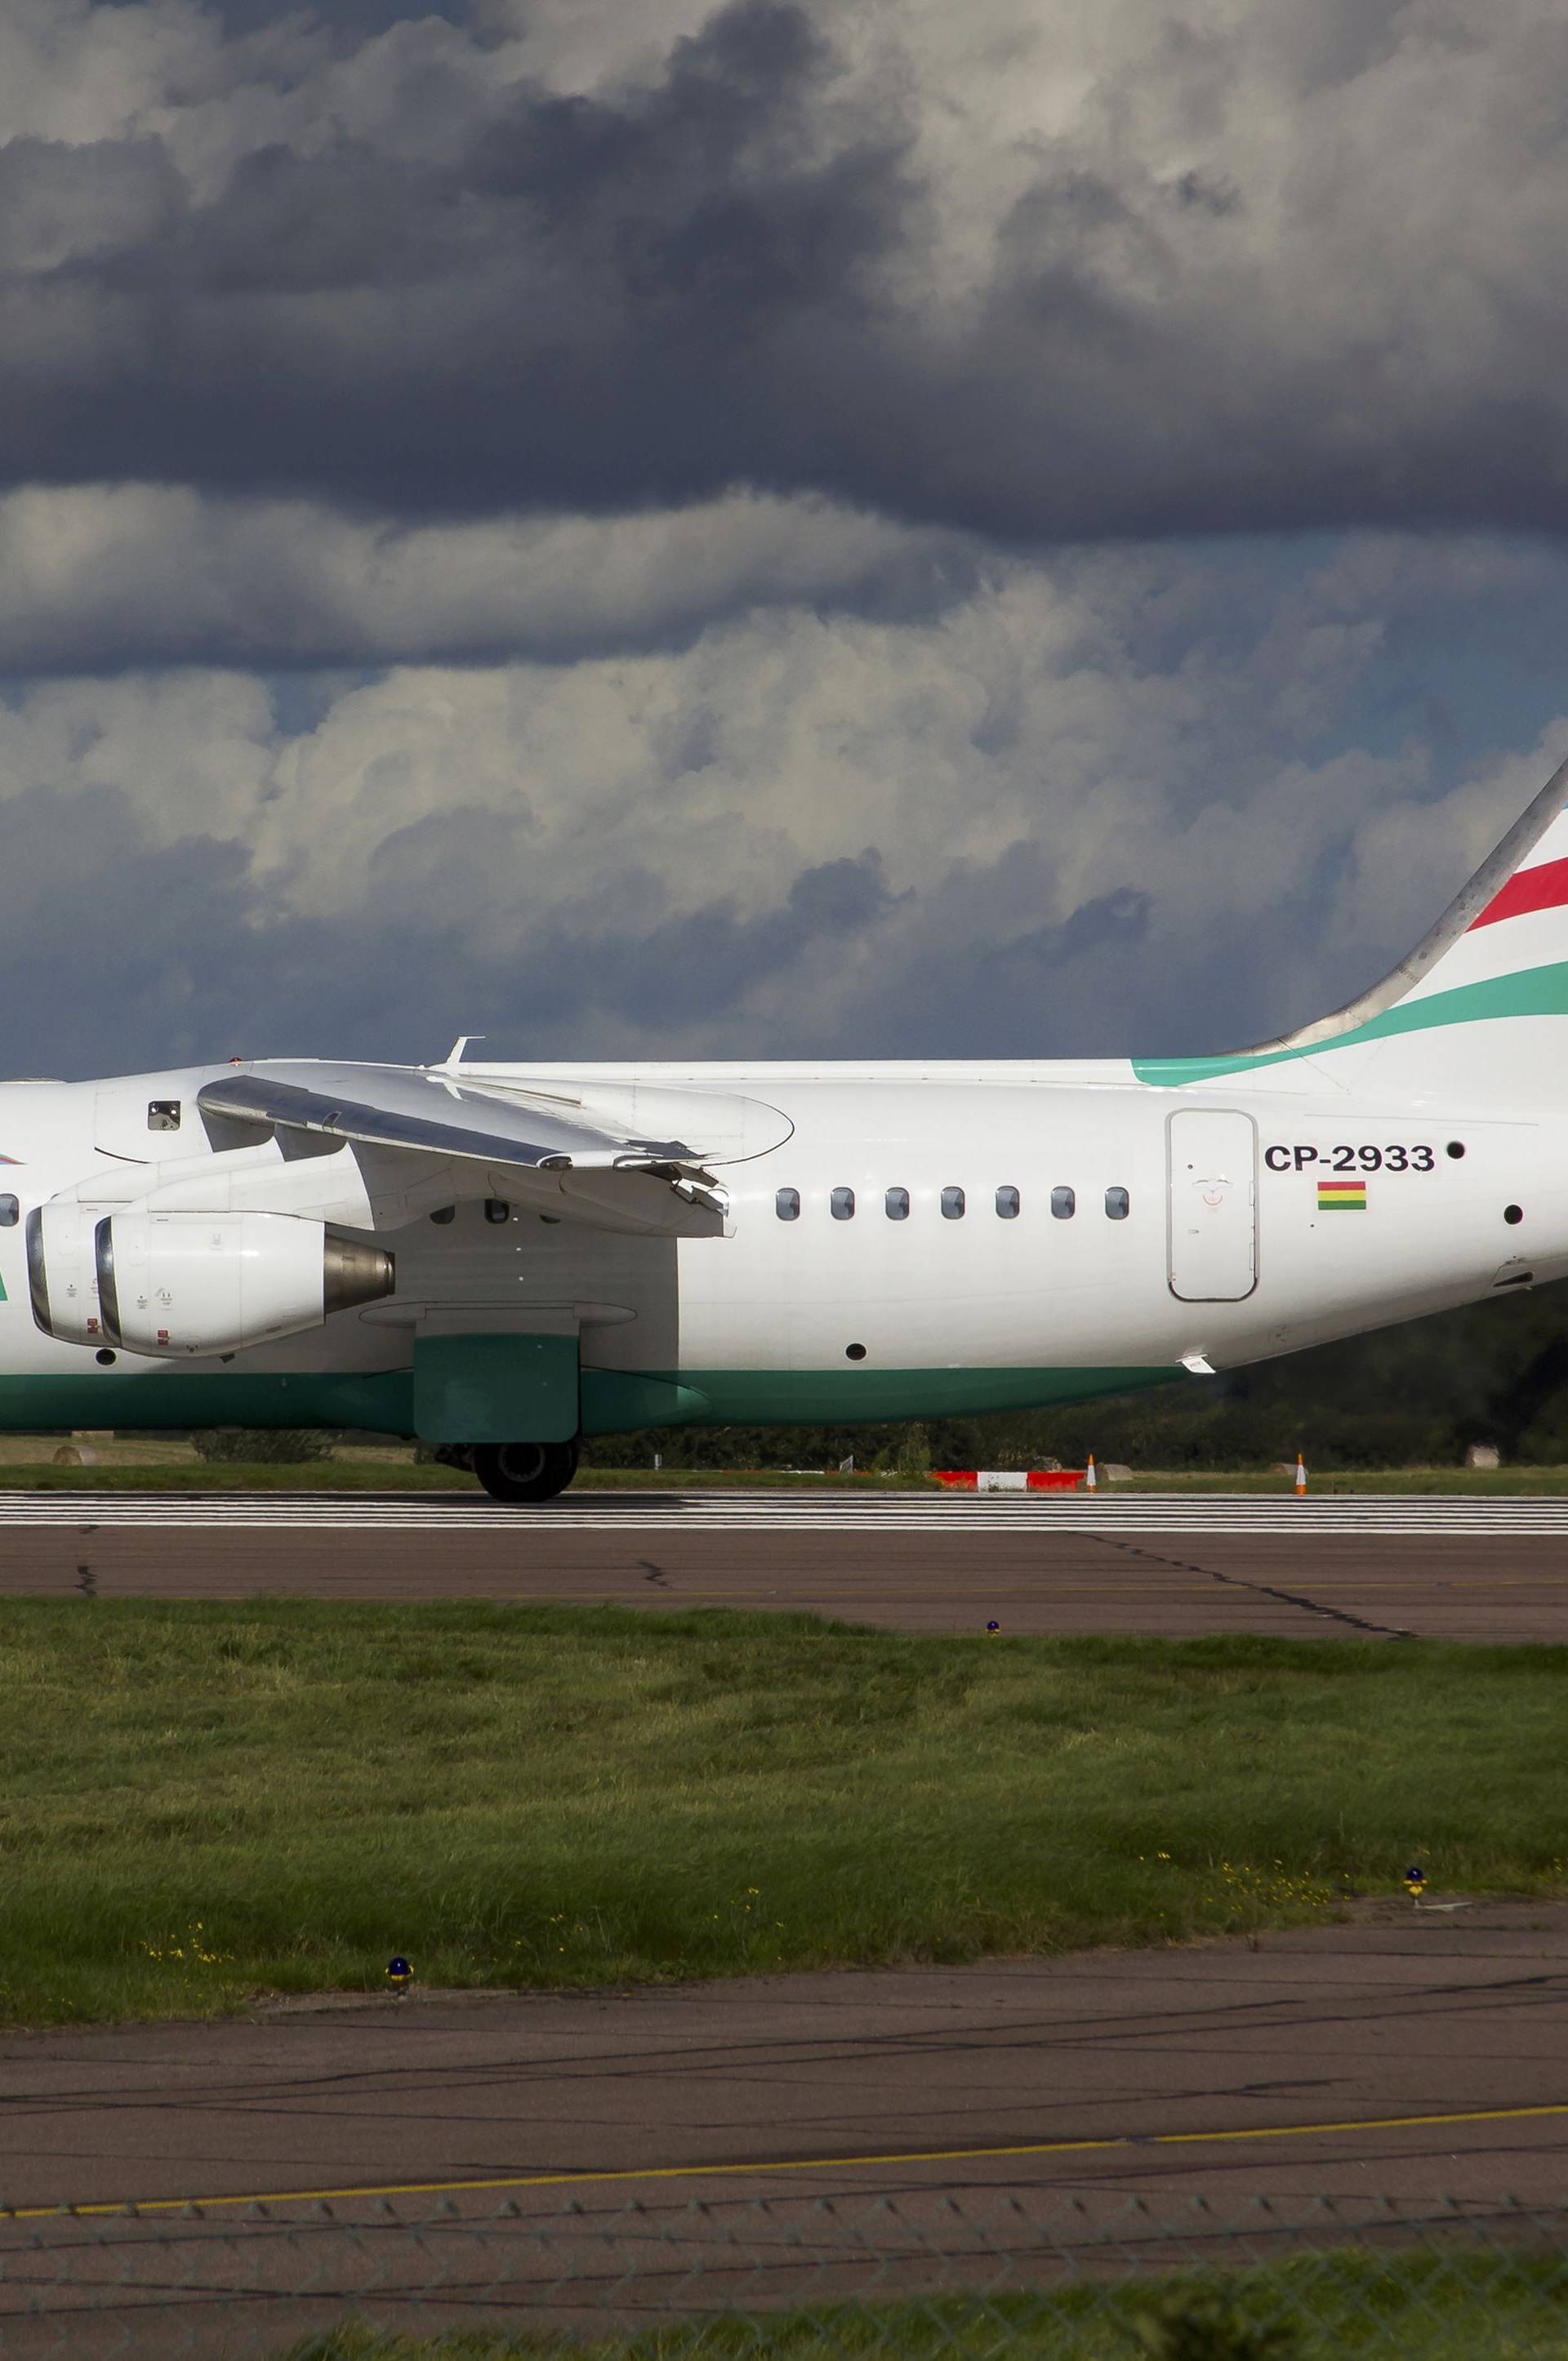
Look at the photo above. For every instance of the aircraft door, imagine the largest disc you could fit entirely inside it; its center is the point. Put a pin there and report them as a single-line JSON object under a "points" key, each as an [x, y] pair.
{"points": [[1213, 1205]]}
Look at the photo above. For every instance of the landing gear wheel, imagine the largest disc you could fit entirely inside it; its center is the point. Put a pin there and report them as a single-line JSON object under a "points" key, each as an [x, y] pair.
{"points": [[525, 1471]]}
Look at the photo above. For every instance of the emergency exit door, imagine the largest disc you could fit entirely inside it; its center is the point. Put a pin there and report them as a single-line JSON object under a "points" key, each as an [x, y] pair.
{"points": [[1213, 1205]]}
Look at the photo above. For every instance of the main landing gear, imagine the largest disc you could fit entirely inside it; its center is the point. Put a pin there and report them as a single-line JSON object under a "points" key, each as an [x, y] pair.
{"points": [[524, 1471]]}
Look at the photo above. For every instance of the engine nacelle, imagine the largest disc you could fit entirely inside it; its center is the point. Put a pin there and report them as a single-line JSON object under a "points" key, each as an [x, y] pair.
{"points": [[202, 1283], [62, 1272]]}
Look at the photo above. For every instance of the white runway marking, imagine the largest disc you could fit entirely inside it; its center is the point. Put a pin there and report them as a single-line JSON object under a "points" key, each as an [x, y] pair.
{"points": [[1436, 1515]]}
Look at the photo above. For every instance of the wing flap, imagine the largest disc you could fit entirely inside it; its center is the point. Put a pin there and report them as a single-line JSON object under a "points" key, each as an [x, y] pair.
{"points": [[418, 1136], [435, 1116]]}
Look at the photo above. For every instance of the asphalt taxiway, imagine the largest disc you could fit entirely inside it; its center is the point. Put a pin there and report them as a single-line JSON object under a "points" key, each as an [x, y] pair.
{"points": [[784, 2139], [1388, 1565], [1413, 2052]]}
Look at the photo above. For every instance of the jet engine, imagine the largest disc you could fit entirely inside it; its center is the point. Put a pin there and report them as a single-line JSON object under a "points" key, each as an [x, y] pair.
{"points": [[174, 1283], [62, 1272]]}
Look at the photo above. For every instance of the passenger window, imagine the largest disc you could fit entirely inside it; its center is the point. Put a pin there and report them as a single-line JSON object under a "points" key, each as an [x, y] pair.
{"points": [[787, 1205], [1116, 1204], [1007, 1204], [497, 1209], [952, 1204], [1064, 1204], [897, 1205], [10, 1212], [163, 1114], [842, 1205]]}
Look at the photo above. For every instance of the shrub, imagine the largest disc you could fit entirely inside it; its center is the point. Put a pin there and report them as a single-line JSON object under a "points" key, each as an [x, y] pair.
{"points": [[1187, 2327], [913, 1458], [270, 1445]]}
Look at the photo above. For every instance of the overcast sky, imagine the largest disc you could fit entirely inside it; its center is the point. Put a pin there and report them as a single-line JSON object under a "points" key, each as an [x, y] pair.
{"points": [[864, 527]]}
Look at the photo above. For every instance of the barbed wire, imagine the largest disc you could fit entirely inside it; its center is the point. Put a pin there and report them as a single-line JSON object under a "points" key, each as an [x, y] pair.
{"points": [[928, 2272]]}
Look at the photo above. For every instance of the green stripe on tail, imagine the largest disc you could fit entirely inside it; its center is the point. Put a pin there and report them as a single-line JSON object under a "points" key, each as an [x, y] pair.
{"points": [[1533, 992]]}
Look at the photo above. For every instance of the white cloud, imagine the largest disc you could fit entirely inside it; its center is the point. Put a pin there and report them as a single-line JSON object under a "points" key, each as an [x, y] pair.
{"points": [[94, 576], [1088, 792]]}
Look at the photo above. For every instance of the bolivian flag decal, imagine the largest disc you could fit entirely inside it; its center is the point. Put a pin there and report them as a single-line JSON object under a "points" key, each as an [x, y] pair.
{"points": [[1341, 1196]]}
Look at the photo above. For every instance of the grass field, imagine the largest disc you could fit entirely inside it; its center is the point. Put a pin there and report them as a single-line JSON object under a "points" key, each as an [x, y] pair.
{"points": [[174, 1468], [1436, 2304], [383, 1472], [200, 1802]]}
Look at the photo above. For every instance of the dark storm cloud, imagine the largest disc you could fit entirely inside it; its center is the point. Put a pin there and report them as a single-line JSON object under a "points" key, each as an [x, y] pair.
{"points": [[580, 311], [732, 274]]}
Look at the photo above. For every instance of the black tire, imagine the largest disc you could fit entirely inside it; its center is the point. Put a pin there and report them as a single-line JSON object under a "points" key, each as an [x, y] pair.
{"points": [[525, 1471]]}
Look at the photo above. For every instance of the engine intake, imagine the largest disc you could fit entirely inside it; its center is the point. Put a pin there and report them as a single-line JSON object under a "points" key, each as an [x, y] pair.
{"points": [[173, 1283], [62, 1273]]}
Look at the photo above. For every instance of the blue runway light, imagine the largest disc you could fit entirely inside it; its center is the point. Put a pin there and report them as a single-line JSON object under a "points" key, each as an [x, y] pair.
{"points": [[993, 1627], [400, 1975], [1415, 1881]]}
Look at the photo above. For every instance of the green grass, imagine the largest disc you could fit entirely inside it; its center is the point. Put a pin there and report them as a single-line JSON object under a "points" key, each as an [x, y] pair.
{"points": [[1438, 2303], [201, 1801], [391, 1471], [241, 1475], [1529, 1482]]}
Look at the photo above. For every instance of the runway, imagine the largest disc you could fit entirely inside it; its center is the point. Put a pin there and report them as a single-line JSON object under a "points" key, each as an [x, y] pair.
{"points": [[583, 1510], [681, 2149], [1177, 1566]]}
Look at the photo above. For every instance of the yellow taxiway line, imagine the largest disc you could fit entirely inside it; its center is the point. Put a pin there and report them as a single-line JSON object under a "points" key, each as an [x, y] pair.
{"points": [[788, 2164]]}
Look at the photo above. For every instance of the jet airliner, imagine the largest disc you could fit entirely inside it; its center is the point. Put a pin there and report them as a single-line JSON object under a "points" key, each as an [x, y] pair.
{"points": [[501, 1259]]}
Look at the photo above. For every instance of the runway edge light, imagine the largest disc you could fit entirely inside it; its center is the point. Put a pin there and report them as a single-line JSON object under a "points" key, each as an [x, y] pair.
{"points": [[400, 1975], [1416, 1882]]}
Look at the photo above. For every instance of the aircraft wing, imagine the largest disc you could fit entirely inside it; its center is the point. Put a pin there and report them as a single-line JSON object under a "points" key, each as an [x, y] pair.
{"points": [[390, 1106], [546, 1152]]}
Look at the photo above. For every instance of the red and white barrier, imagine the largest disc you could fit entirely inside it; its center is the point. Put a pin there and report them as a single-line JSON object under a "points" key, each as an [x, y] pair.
{"points": [[1008, 1479]]}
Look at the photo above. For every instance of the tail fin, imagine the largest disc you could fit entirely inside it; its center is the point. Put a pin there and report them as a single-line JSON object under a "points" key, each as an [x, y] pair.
{"points": [[1500, 950], [1525, 877]]}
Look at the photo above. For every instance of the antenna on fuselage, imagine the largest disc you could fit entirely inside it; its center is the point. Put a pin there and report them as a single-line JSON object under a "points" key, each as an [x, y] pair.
{"points": [[453, 1061]]}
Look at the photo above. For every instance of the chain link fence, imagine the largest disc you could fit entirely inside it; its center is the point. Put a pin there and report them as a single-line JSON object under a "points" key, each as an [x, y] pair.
{"points": [[919, 2272]]}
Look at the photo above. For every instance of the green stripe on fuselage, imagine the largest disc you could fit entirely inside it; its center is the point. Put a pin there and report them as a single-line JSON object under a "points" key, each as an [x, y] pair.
{"points": [[847, 1396], [1533, 992]]}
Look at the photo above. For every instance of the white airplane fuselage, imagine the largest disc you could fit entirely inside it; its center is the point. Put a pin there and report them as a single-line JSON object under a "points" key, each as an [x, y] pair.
{"points": [[1071, 1229]]}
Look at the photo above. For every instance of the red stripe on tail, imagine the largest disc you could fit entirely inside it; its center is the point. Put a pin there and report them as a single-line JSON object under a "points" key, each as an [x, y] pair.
{"points": [[1545, 888]]}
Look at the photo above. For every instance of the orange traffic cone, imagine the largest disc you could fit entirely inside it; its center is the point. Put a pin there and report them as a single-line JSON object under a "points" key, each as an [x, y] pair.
{"points": [[1300, 1475], [1090, 1478]]}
